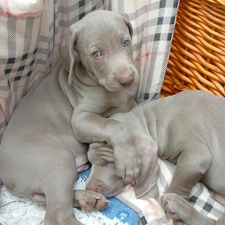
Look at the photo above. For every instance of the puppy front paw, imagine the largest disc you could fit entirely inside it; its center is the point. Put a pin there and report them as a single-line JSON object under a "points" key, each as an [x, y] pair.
{"points": [[177, 208], [128, 164], [90, 200]]}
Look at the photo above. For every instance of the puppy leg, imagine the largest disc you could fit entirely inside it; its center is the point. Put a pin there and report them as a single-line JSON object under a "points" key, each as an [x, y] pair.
{"points": [[115, 134], [0, 198], [39, 198], [87, 200], [179, 209], [191, 165], [58, 189], [58, 194]]}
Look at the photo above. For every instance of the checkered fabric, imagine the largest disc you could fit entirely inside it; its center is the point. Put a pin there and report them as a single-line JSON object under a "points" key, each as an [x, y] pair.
{"points": [[150, 210], [30, 33]]}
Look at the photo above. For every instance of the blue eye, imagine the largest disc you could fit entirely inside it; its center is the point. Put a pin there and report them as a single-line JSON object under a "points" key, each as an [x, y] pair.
{"points": [[126, 43], [96, 54]]}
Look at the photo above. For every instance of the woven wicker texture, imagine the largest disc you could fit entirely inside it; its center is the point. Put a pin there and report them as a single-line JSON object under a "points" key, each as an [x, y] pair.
{"points": [[197, 57]]}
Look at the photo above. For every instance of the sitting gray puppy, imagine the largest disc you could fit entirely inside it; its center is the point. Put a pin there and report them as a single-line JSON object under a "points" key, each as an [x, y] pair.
{"points": [[186, 129], [41, 150]]}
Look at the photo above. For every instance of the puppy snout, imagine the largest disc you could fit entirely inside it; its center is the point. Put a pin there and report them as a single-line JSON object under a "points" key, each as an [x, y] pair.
{"points": [[126, 79], [92, 187]]}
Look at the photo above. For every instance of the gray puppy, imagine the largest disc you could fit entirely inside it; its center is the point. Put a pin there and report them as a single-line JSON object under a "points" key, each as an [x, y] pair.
{"points": [[186, 129], [39, 155]]}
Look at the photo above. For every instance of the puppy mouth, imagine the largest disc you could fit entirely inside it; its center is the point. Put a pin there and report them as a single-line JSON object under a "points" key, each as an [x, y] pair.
{"points": [[113, 86], [117, 81], [108, 191]]}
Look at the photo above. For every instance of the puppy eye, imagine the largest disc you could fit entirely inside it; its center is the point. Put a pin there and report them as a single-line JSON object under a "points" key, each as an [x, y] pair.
{"points": [[101, 162], [96, 54], [126, 43]]}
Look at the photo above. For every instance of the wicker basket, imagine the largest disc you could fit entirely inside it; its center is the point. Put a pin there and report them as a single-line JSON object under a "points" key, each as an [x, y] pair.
{"points": [[197, 57]]}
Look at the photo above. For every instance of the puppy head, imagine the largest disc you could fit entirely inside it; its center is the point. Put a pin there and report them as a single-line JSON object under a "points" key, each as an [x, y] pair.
{"points": [[98, 50], [103, 178]]}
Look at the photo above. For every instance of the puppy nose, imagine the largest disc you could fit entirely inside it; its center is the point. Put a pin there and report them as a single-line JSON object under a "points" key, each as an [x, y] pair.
{"points": [[92, 187], [126, 79]]}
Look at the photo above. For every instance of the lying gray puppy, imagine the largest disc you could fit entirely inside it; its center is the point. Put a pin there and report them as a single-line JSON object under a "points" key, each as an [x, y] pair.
{"points": [[39, 155], [186, 129]]}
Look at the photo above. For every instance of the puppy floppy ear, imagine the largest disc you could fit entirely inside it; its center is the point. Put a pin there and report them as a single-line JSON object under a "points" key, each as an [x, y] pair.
{"points": [[68, 55], [147, 184], [100, 153], [127, 22]]}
